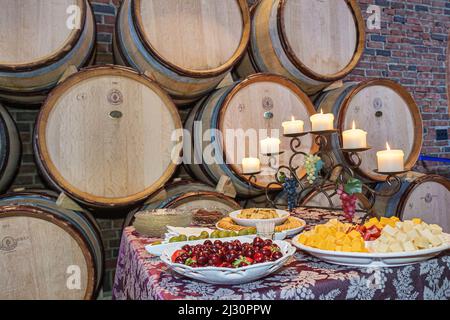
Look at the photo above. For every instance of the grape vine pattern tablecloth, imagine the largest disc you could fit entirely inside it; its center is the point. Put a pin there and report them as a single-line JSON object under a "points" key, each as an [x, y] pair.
{"points": [[141, 276]]}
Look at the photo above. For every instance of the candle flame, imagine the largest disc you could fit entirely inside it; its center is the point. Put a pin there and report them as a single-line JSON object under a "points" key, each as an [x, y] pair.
{"points": [[354, 125], [293, 118], [387, 146], [321, 111]]}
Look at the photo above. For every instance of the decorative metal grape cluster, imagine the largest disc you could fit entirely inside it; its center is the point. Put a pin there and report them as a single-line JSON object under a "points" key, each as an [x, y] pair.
{"points": [[320, 171]]}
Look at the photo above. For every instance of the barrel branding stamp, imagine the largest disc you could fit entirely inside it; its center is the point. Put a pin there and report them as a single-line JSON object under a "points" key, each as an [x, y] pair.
{"points": [[115, 97], [8, 244]]}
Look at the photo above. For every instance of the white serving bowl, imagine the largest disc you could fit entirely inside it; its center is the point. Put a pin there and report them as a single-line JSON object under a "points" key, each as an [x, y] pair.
{"points": [[229, 276], [283, 215]]}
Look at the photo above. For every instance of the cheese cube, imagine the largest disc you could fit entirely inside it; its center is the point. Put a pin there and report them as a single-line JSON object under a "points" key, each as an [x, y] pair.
{"points": [[347, 248], [382, 248], [394, 218], [390, 230], [435, 229], [347, 241], [406, 227], [340, 235], [417, 221], [409, 246], [401, 236], [354, 234], [395, 247], [413, 234], [338, 248], [369, 224], [421, 243], [357, 246]]}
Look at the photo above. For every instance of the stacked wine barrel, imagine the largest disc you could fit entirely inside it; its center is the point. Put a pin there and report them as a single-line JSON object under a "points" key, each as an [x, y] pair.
{"points": [[40, 41], [47, 252], [111, 138]]}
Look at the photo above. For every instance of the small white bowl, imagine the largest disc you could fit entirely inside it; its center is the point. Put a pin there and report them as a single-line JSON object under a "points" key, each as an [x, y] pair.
{"points": [[283, 216]]}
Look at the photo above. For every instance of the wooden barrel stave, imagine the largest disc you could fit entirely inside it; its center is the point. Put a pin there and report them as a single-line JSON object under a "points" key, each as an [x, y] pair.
{"points": [[272, 50], [10, 149], [132, 49], [120, 86], [29, 86], [40, 211], [375, 105], [421, 196], [218, 110]]}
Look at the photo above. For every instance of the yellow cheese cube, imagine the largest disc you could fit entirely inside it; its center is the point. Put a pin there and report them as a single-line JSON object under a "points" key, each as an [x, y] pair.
{"points": [[347, 241], [357, 246], [369, 224], [374, 220], [340, 235], [417, 221], [330, 246], [347, 248], [394, 218], [354, 234], [338, 248], [385, 221]]}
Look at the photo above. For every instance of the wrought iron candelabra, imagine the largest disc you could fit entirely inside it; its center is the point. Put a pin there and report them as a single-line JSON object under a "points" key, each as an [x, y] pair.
{"points": [[331, 173]]}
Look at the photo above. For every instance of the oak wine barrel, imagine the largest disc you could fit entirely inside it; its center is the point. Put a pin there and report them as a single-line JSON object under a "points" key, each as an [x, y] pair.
{"points": [[187, 195], [187, 46], [47, 252], [104, 137], [10, 149], [312, 42], [421, 196], [382, 108], [227, 126], [40, 40]]}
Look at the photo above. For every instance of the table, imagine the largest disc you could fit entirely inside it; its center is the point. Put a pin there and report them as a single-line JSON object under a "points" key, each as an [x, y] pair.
{"points": [[142, 276]]}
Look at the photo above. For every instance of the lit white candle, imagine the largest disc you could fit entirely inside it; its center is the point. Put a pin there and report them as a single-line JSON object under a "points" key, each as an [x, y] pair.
{"points": [[322, 122], [270, 146], [354, 138], [293, 126], [390, 160], [251, 165]]}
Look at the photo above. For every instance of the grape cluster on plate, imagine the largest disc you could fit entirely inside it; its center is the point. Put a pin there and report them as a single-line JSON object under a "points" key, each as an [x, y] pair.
{"points": [[228, 254]]}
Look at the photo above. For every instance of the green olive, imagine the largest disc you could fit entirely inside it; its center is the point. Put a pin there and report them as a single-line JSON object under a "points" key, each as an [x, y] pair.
{"points": [[182, 237], [192, 238], [224, 234], [173, 239], [204, 235], [243, 232], [252, 231], [156, 243], [233, 234], [215, 234]]}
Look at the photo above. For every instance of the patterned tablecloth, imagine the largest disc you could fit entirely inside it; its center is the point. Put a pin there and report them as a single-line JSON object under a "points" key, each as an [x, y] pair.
{"points": [[142, 276]]}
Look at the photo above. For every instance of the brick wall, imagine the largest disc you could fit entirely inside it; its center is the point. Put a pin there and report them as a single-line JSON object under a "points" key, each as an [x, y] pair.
{"points": [[411, 48]]}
